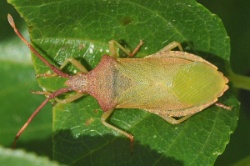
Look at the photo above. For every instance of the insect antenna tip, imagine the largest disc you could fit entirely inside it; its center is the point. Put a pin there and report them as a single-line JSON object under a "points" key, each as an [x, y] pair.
{"points": [[11, 20]]}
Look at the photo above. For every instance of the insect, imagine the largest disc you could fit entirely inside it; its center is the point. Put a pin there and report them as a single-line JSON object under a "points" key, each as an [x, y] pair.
{"points": [[171, 84]]}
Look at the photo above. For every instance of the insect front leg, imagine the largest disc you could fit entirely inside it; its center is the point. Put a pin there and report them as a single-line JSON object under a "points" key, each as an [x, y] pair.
{"points": [[113, 53], [172, 120], [70, 98], [105, 116], [64, 101], [75, 63]]}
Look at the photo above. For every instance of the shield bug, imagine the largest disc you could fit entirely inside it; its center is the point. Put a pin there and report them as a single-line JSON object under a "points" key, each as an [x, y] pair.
{"points": [[167, 83]]}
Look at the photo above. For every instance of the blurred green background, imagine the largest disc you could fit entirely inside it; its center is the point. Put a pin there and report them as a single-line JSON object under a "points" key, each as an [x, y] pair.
{"points": [[235, 16]]}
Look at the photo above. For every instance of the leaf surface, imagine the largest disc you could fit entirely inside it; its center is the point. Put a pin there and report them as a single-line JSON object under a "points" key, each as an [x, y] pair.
{"points": [[81, 30]]}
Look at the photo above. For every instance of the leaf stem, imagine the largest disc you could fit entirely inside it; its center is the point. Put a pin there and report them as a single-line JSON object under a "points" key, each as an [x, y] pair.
{"points": [[239, 81]]}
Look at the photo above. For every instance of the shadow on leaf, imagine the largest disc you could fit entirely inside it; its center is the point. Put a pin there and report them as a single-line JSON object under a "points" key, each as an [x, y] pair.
{"points": [[105, 150]]}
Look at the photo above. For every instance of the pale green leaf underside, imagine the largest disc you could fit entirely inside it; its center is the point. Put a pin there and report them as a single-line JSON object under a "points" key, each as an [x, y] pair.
{"points": [[20, 157]]}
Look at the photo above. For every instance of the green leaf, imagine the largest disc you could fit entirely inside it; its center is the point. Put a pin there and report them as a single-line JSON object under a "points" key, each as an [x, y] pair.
{"points": [[82, 29], [20, 157]]}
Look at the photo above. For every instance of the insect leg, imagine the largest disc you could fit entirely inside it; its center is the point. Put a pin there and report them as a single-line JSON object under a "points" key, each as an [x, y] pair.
{"points": [[112, 49], [46, 75], [75, 63], [113, 53], [223, 106], [66, 100], [105, 116], [70, 98], [137, 48], [171, 46], [172, 120], [78, 65]]}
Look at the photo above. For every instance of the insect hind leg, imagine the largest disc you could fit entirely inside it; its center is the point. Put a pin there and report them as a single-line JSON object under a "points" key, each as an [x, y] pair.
{"points": [[104, 118]]}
